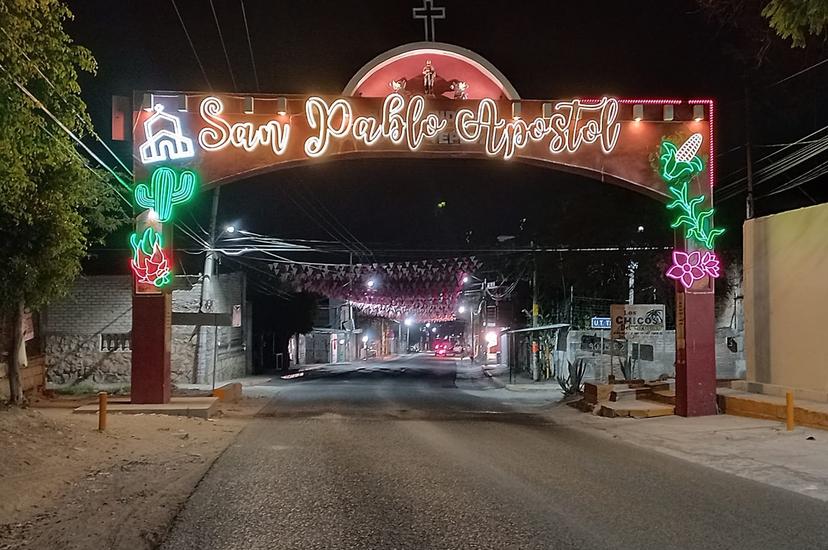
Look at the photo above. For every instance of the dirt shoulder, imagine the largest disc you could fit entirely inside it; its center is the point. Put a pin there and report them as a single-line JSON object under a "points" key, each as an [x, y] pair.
{"points": [[66, 485]]}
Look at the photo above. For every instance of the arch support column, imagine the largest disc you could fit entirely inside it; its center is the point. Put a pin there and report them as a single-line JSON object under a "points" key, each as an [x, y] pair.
{"points": [[695, 353], [151, 339]]}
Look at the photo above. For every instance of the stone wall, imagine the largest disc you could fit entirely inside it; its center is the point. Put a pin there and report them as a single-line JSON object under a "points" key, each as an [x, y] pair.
{"points": [[87, 334], [656, 358]]}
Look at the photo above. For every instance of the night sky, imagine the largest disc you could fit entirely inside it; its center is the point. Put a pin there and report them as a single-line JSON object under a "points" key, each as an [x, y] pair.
{"points": [[546, 49]]}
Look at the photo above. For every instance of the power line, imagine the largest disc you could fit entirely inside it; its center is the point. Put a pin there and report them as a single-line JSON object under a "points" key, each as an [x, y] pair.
{"points": [[63, 127], [805, 70], [811, 148], [192, 46], [783, 165], [323, 223], [801, 179], [335, 222], [250, 46], [83, 122], [223, 47], [85, 163]]}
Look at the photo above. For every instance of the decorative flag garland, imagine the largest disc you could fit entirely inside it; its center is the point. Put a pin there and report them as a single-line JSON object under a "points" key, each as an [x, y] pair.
{"points": [[426, 290]]}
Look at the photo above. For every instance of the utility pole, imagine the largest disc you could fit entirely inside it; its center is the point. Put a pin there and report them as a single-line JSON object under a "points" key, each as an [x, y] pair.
{"points": [[749, 212], [383, 338], [352, 347], [207, 279], [471, 330], [631, 281], [535, 311]]}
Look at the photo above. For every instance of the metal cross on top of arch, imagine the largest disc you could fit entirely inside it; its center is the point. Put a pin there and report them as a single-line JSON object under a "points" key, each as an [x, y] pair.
{"points": [[428, 13]]}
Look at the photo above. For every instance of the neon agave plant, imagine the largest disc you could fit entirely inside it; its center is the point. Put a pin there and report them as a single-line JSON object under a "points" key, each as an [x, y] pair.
{"points": [[697, 222]]}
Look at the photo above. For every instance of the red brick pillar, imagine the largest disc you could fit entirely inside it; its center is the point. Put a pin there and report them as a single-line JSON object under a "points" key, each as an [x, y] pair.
{"points": [[695, 353], [151, 317]]}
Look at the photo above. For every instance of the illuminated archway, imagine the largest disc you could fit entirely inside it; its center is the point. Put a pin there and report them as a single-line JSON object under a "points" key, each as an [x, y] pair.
{"points": [[433, 100]]}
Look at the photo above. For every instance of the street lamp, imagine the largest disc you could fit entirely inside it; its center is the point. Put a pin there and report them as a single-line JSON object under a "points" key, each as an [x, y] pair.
{"points": [[210, 260], [462, 309]]}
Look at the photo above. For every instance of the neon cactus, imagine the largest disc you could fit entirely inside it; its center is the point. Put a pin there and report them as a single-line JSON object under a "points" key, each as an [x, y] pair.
{"points": [[689, 268], [149, 262], [166, 189], [678, 164], [697, 223]]}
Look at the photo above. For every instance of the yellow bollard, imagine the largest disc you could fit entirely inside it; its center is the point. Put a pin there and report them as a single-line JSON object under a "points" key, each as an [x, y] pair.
{"points": [[789, 410], [101, 411]]}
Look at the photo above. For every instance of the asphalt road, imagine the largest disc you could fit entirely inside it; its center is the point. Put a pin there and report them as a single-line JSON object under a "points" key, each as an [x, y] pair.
{"points": [[398, 455]]}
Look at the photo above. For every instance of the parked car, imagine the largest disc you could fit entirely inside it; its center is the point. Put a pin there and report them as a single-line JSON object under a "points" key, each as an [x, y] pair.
{"points": [[448, 348]]}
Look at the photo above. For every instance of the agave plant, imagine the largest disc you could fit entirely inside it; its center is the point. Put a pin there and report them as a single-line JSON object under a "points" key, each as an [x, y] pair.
{"points": [[573, 381]]}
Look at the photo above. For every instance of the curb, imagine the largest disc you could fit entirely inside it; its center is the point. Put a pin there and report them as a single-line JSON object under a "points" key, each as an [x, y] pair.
{"points": [[531, 388]]}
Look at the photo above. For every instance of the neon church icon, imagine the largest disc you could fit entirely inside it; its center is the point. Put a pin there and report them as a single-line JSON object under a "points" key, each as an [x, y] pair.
{"points": [[165, 140]]}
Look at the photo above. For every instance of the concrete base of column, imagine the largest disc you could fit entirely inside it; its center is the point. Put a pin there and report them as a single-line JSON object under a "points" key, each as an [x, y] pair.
{"points": [[151, 316]]}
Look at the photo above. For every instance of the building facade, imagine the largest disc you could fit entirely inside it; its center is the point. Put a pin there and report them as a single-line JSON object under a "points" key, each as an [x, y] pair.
{"points": [[87, 334]]}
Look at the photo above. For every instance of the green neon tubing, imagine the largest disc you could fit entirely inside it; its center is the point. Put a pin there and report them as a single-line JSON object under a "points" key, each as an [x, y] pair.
{"points": [[696, 222], [149, 261], [166, 189], [673, 170]]}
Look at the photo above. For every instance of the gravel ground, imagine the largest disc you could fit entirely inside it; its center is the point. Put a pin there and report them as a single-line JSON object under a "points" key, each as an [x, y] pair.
{"points": [[381, 459], [67, 486]]}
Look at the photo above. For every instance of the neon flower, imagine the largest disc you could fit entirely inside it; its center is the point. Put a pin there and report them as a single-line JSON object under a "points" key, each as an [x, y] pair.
{"points": [[689, 268], [679, 164], [149, 263]]}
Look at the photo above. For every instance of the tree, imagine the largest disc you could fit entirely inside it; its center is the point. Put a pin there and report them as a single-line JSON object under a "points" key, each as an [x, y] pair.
{"points": [[755, 27], [52, 205], [797, 19]]}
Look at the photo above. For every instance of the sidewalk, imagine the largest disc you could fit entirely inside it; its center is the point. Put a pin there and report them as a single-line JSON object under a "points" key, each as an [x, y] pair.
{"points": [[258, 380], [521, 383], [772, 407], [756, 449]]}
